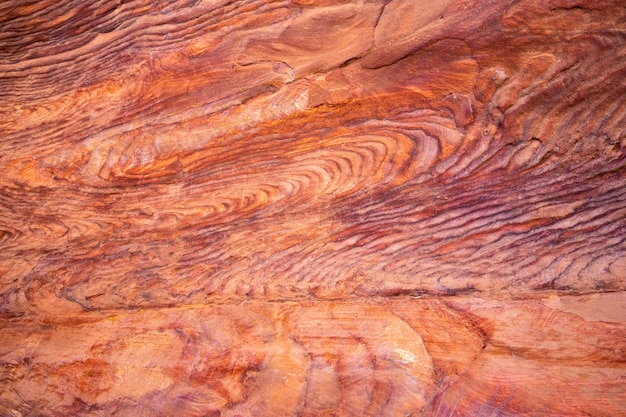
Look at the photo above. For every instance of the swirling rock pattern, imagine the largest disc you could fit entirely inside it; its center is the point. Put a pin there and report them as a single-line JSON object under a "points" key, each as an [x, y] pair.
{"points": [[312, 208]]}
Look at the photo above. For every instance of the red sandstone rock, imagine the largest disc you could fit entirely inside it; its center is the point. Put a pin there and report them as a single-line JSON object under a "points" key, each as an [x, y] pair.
{"points": [[233, 208]]}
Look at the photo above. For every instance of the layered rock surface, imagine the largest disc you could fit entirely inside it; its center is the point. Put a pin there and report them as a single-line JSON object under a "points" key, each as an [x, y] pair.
{"points": [[313, 208]]}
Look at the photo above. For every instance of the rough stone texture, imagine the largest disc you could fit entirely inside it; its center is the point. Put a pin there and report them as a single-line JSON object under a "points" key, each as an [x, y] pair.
{"points": [[313, 208]]}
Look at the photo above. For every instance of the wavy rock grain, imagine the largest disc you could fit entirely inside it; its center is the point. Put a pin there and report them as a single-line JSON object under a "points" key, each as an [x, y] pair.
{"points": [[232, 208]]}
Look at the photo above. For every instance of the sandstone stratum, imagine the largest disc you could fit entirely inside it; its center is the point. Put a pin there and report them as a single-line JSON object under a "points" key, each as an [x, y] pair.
{"points": [[308, 208]]}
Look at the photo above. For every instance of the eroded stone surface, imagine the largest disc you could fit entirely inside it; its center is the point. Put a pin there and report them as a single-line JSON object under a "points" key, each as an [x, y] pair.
{"points": [[231, 208]]}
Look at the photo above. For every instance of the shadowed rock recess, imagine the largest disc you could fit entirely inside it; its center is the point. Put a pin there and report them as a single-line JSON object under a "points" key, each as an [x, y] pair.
{"points": [[313, 208]]}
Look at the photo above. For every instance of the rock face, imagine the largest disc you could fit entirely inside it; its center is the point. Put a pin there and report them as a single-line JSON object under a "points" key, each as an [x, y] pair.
{"points": [[313, 208]]}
